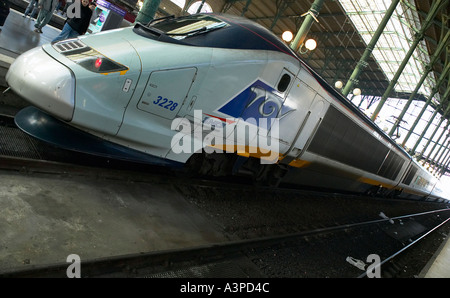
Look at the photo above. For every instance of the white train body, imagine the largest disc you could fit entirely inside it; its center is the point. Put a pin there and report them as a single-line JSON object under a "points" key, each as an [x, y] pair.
{"points": [[142, 88]]}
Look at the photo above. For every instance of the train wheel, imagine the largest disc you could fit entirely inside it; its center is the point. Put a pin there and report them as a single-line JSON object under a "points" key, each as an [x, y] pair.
{"points": [[211, 164], [271, 175], [194, 164], [374, 191]]}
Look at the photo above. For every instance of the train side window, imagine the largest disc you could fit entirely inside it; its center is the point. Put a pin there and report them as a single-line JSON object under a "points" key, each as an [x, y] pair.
{"points": [[284, 82]]}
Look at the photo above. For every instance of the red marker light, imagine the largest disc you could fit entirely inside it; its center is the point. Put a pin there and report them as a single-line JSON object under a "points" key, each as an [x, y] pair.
{"points": [[98, 63]]}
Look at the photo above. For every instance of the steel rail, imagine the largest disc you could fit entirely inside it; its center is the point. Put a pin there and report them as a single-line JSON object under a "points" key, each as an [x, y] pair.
{"points": [[405, 248], [206, 253]]}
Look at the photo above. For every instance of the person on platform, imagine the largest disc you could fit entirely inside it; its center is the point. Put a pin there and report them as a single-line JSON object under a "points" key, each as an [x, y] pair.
{"points": [[31, 9], [47, 7], [60, 6], [74, 27], [4, 12]]}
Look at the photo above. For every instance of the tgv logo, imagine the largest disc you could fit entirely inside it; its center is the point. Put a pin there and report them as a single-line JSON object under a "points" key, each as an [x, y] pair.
{"points": [[257, 101], [249, 137]]}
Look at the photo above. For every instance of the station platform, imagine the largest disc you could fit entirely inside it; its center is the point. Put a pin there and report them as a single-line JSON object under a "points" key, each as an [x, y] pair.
{"points": [[18, 36], [439, 265], [18, 33]]}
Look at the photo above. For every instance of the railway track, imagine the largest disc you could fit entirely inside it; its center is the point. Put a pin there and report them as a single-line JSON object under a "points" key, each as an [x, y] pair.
{"points": [[257, 258]]}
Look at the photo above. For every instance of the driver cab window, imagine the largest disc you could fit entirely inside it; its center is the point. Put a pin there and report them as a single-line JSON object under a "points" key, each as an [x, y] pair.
{"points": [[284, 82]]}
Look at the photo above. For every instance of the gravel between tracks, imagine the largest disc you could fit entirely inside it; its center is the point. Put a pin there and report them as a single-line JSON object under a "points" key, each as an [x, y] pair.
{"points": [[245, 214]]}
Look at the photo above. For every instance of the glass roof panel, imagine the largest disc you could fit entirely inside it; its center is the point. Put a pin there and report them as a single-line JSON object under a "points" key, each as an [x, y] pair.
{"points": [[395, 41]]}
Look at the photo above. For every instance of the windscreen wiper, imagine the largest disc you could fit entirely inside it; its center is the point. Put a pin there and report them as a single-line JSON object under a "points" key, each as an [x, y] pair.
{"points": [[189, 32], [160, 19], [151, 30], [198, 31]]}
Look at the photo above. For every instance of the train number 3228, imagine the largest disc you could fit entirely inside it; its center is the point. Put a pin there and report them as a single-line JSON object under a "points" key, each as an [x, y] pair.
{"points": [[165, 103]]}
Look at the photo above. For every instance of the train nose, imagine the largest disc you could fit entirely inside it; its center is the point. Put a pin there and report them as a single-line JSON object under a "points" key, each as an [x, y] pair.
{"points": [[44, 82]]}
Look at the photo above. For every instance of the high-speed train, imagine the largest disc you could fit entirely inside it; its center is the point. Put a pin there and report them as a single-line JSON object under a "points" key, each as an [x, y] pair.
{"points": [[217, 94]]}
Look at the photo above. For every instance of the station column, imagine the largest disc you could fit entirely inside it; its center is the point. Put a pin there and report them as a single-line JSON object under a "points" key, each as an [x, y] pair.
{"points": [[148, 11], [442, 45], [311, 15], [430, 97], [437, 142], [444, 166], [365, 56], [447, 93], [418, 37]]}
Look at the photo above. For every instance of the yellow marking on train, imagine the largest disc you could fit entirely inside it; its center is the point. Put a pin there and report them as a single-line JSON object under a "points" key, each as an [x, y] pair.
{"points": [[245, 151], [374, 182], [257, 152], [122, 72], [298, 163]]}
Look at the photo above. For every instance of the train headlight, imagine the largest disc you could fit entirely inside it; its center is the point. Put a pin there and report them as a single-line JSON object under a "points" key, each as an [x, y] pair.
{"points": [[98, 63], [88, 58]]}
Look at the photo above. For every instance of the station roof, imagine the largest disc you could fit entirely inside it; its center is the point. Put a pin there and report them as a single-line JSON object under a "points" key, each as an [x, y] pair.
{"points": [[344, 29]]}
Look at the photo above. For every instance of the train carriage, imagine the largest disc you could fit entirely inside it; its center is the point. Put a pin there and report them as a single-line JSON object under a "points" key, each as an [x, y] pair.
{"points": [[218, 94]]}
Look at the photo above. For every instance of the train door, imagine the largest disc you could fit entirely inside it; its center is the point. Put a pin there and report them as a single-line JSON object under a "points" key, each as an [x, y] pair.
{"points": [[309, 110], [149, 118], [162, 98]]}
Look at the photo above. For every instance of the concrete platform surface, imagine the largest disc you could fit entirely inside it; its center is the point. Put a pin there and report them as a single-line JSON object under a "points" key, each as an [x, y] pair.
{"points": [[18, 36], [439, 265], [46, 218]]}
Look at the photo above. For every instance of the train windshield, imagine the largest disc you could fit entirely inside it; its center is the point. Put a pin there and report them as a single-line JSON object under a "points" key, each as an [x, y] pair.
{"points": [[185, 27], [215, 31]]}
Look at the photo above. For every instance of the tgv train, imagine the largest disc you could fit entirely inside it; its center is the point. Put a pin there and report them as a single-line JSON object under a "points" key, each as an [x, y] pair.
{"points": [[217, 94]]}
